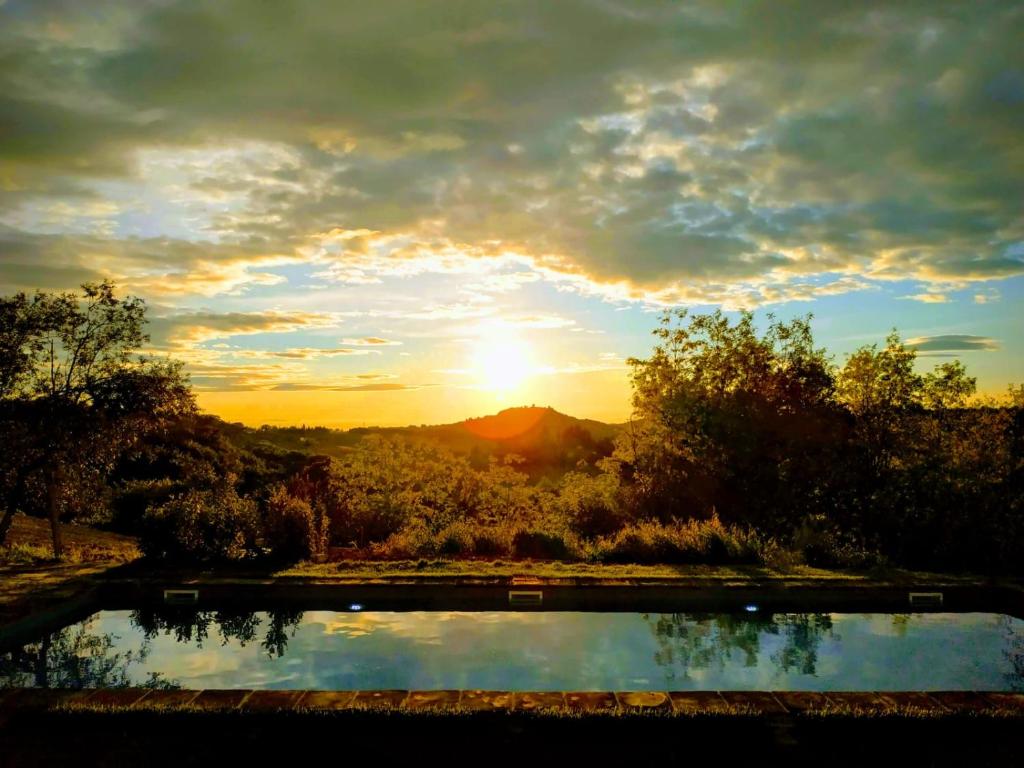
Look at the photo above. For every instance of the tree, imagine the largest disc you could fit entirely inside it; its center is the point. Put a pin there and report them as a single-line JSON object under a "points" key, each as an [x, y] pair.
{"points": [[730, 420], [75, 393]]}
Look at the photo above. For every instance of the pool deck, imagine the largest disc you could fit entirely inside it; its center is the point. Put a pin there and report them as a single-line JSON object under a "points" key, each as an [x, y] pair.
{"points": [[685, 704]]}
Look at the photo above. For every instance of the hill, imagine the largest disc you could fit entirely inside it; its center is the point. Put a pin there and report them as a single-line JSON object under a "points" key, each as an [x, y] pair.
{"points": [[549, 442]]}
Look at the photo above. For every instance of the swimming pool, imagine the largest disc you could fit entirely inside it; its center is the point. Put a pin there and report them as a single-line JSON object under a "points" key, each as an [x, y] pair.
{"points": [[360, 649]]}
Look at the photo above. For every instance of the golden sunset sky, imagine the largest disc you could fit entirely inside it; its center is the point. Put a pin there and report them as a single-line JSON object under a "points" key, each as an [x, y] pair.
{"points": [[403, 212]]}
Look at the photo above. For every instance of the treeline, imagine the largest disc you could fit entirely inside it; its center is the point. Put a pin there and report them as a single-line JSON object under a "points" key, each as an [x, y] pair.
{"points": [[746, 446]]}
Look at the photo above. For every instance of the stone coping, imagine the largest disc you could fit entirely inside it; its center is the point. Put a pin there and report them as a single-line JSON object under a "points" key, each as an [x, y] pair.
{"points": [[455, 702]]}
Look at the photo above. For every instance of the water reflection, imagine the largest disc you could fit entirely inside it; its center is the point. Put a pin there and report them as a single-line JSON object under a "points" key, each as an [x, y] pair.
{"points": [[188, 625], [1014, 654], [543, 650], [75, 657], [689, 641]]}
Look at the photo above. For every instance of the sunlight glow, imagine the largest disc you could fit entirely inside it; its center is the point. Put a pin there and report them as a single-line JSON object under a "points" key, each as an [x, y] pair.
{"points": [[501, 360]]}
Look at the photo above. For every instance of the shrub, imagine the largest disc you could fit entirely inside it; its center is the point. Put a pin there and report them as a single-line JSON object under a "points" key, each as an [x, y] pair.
{"points": [[455, 539], [591, 505], [543, 545], [291, 529], [459, 538], [820, 545], [207, 525], [412, 541], [488, 542], [694, 541], [130, 501]]}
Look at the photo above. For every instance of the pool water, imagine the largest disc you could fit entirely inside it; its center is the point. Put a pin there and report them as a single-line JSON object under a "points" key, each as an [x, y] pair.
{"points": [[529, 650]]}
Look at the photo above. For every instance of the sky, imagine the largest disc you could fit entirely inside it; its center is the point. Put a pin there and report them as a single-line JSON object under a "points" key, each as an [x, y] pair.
{"points": [[404, 212]]}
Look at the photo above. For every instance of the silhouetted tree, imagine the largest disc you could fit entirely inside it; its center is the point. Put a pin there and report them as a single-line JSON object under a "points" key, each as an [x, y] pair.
{"points": [[74, 393], [731, 421]]}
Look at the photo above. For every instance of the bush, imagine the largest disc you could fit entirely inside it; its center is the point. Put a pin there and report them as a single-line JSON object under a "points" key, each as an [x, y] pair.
{"points": [[543, 545], [820, 545], [455, 539], [694, 541], [488, 542], [130, 501], [291, 529], [207, 525], [591, 505], [459, 538]]}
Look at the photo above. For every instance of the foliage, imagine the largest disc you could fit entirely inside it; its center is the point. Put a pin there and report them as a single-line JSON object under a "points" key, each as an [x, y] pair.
{"points": [[291, 529], [693, 541], [384, 486], [74, 395], [543, 545], [849, 466], [729, 421], [592, 505], [748, 444], [201, 525]]}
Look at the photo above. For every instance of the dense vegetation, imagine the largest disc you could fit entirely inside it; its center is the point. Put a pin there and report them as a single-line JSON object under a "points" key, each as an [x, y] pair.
{"points": [[746, 446]]}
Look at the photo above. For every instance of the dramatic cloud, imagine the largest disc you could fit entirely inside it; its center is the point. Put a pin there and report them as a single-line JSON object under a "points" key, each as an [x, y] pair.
{"points": [[680, 152]]}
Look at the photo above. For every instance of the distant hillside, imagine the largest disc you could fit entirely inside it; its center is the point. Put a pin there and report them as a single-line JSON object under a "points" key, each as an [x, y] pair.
{"points": [[548, 441]]}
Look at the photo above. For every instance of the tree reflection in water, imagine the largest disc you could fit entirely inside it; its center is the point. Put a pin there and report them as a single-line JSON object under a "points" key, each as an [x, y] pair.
{"points": [[193, 626], [75, 657], [1014, 654], [699, 641]]}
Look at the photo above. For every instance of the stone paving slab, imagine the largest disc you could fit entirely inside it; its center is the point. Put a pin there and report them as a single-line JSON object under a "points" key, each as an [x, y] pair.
{"points": [[911, 699], [892, 704], [760, 701], [432, 700], [693, 702], [484, 701], [226, 699], [379, 699], [644, 701], [534, 700], [115, 697], [961, 701], [166, 699], [271, 701], [1013, 701], [857, 700], [591, 701], [326, 700], [802, 701]]}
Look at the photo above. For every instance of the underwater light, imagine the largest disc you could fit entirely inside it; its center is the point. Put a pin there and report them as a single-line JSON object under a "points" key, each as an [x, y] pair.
{"points": [[356, 607], [750, 608]]}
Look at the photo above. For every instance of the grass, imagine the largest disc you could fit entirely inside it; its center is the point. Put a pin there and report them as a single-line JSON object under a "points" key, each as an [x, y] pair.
{"points": [[29, 543], [546, 569]]}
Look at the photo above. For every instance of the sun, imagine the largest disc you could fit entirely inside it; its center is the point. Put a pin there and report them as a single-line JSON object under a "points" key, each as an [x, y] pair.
{"points": [[501, 360]]}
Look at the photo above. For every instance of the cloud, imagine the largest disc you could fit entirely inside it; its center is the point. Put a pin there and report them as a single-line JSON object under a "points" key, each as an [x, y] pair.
{"points": [[660, 152], [954, 342], [191, 328], [308, 353], [156, 267], [929, 298], [370, 341], [375, 387]]}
